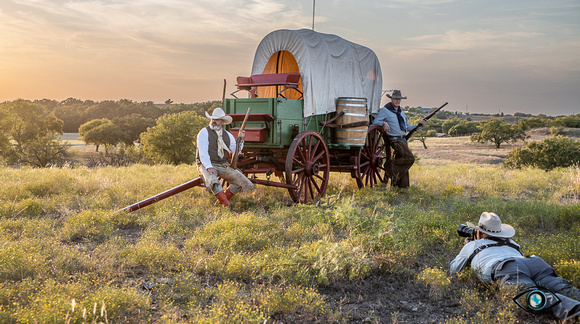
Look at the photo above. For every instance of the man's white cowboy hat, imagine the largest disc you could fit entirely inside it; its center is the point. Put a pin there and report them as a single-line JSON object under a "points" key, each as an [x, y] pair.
{"points": [[219, 113], [396, 95], [489, 223]]}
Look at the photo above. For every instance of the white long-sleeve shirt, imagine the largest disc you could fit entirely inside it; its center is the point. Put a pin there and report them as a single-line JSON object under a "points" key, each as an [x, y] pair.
{"points": [[485, 259], [203, 146]]}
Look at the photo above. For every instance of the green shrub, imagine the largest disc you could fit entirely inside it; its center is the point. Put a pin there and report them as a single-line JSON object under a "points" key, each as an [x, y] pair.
{"points": [[548, 154]]}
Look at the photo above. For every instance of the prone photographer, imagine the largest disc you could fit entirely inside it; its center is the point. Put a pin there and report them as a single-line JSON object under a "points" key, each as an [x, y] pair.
{"points": [[495, 257]]}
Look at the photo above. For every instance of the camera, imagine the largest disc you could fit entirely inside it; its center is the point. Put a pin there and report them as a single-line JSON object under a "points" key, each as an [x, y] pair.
{"points": [[466, 231]]}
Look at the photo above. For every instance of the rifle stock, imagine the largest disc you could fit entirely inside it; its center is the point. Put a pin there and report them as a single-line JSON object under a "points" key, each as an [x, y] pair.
{"points": [[234, 162], [426, 118]]}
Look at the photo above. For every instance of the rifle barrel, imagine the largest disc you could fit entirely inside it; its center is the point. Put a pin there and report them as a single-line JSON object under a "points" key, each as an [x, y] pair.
{"points": [[426, 118]]}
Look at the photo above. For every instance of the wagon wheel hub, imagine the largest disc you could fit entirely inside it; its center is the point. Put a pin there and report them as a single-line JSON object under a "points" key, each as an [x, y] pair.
{"points": [[376, 161], [311, 168]]}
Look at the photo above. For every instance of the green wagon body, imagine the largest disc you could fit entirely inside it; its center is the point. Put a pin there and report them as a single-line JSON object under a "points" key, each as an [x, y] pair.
{"points": [[299, 150]]}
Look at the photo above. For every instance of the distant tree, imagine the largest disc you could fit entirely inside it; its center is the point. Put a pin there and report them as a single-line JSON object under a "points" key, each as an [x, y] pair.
{"points": [[465, 127], [446, 125], [436, 124], [72, 112], [199, 108], [103, 132], [550, 153], [173, 139], [42, 152], [568, 121], [5, 121], [533, 122], [103, 109], [134, 125], [424, 132], [497, 132], [30, 135], [444, 114], [49, 105]]}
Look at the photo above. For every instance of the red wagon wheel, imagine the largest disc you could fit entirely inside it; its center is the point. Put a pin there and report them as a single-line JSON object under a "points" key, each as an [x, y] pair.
{"points": [[307, 167], [371, 158]]}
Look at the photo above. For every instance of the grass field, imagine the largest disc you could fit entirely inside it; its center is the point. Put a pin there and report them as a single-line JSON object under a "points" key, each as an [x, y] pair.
{"points": [[358, 256]]}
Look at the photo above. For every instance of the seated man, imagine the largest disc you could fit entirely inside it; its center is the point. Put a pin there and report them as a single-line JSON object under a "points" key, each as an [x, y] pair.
{"points": [[212, 144], [497, 258]]}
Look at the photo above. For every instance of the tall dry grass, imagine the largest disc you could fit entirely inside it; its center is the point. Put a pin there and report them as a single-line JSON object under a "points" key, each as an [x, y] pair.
{"points": [[186, 259]]}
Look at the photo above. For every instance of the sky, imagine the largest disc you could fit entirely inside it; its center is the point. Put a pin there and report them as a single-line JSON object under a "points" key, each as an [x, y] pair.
{"points": [[481, 56]]}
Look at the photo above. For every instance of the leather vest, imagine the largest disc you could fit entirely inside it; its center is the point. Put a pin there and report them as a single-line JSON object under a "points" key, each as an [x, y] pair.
{"points": [[213, 147]]}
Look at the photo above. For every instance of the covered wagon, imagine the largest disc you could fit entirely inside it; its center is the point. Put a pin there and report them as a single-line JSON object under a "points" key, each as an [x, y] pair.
{"points": [[312, 97]]}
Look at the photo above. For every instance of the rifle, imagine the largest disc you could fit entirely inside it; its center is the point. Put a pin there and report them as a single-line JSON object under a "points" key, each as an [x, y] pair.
{"points": [[234, 163], [426, 118]]}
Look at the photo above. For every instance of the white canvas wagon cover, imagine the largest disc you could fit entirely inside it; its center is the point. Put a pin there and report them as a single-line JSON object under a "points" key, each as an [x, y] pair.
{"points": [[330, 67]]}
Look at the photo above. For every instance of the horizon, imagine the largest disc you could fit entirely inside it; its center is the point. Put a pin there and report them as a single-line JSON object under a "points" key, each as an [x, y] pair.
{"points": [[404, 107], [492, 57]]}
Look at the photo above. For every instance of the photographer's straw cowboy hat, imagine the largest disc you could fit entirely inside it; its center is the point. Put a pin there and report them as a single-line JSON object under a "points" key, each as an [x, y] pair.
{"points": [[219, 113], [489, 223], [396, 95]]}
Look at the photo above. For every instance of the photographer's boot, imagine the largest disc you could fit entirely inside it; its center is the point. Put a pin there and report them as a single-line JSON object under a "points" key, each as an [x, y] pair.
{"points": [[221, 197]]}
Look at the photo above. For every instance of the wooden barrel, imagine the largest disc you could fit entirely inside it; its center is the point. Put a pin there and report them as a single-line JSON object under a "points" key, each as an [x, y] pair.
{"points": [[355, 111]]}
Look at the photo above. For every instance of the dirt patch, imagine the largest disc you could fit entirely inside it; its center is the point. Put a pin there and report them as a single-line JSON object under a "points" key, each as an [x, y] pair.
{"points": [[387, 299], [446, 150], [392, 299]]}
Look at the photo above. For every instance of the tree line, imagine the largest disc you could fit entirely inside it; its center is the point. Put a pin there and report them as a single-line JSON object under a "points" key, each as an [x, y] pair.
{"points": [[29, 130]]}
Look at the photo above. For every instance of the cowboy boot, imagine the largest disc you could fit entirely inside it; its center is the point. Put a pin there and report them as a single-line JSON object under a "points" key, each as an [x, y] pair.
{"points": [[229, 194], [221, 197]]}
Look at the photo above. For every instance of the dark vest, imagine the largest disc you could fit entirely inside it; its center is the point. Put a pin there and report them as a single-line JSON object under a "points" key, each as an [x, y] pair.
{"points": [[213, 147]]}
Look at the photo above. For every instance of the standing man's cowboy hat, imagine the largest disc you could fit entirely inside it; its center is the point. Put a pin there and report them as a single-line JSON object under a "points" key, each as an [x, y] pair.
{"points": [[396, 95], [219, 113], [489, 223]]}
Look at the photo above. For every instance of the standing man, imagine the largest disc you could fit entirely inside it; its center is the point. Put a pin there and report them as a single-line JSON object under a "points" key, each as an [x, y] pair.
{"points": [[496, 257], [212, 144], [395, 123]]}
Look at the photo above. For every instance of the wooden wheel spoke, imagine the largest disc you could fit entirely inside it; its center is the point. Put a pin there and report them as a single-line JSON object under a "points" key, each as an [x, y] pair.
{"points": [[297, 177], [318, 156], [319, 177], [382, 178], [299, 170], [314, 151], [302, 155], [307, 167], [300, 184], [375, 151], [311, 190]]}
